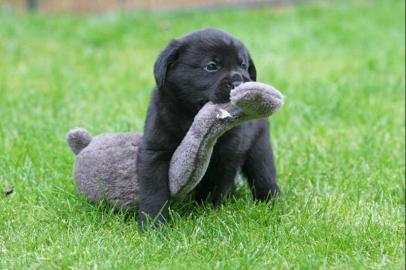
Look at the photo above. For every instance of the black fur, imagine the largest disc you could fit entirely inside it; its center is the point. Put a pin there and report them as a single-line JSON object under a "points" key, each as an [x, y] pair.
{"points": [[185, 83]]}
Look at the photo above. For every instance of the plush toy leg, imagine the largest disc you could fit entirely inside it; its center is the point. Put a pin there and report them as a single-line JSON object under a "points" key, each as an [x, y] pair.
{"points": [[191, 158]]}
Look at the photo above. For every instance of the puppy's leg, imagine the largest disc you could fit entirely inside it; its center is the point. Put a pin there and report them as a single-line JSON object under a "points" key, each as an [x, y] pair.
{"points": [[259, 167], [154, 201], [215, 185], [219, 177]]}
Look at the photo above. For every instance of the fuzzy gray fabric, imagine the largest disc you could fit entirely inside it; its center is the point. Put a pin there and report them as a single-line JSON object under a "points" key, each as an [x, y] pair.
{"points": [[105, 167]]}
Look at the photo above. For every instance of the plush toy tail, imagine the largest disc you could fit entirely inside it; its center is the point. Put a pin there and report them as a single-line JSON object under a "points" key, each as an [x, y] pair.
{"points": [[78, 139]]}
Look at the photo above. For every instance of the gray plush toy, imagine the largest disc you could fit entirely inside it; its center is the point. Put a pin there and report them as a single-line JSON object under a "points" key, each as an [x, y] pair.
{"points": [[105, 167]]}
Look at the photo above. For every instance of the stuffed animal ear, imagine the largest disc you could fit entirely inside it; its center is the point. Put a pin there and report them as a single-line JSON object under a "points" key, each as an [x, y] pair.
{"points": [[252, 70], [165, 59]]}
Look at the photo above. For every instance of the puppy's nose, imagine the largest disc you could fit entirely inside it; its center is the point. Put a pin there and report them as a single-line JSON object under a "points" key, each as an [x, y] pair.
{"points": [[236, 79]]}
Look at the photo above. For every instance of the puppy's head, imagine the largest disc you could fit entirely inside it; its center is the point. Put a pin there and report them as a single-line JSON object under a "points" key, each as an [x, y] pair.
{"points": [[203, 66]]}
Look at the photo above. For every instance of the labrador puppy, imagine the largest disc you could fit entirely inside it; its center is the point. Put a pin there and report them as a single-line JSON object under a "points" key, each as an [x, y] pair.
{"points": [[192, 70]]}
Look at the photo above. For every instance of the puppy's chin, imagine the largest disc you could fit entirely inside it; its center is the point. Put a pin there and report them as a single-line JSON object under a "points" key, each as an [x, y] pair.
{"points": [[201, 104], [221, 98], [216, 98], [196, 107]]}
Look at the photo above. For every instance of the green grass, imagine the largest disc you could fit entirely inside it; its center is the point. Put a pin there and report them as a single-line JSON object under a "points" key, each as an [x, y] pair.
{"points": [[339, 140]]}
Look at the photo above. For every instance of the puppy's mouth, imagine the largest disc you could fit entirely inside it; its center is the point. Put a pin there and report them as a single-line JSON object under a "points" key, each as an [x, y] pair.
{"points": [[221, 94]]}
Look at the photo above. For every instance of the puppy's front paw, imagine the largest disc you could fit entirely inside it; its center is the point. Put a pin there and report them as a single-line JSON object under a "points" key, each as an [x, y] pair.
{"points": [[256, 99]]}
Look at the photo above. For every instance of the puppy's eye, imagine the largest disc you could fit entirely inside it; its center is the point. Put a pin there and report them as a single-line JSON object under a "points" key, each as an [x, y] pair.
{"points": [[244, 65], [211, 67]]}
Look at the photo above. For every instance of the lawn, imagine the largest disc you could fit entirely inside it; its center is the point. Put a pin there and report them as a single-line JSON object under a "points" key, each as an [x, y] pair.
{"points": [[339, 140]]}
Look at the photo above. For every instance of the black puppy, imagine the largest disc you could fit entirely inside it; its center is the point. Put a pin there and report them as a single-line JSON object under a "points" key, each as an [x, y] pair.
{"points": [[200, 67]]}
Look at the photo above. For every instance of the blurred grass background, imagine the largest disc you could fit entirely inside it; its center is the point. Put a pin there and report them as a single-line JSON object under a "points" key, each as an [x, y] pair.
{"points": [[339, 139]]}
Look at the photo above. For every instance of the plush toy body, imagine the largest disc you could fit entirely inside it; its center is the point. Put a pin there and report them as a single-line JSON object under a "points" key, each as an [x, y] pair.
{"points": [[105, 166]]}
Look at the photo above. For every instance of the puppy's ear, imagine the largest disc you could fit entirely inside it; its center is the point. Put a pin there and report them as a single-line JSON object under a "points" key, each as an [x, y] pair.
{"points": [[252, 70], [165, 59]]}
